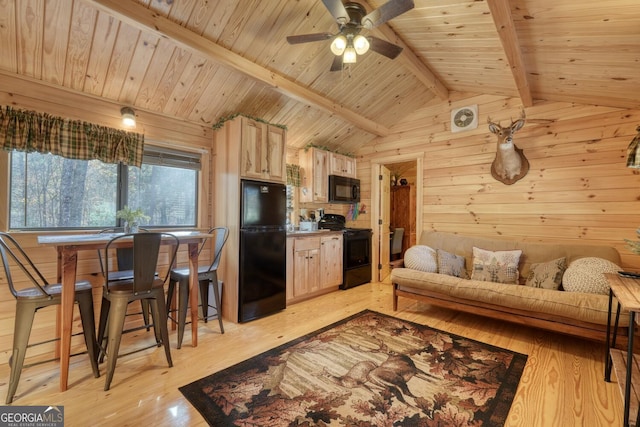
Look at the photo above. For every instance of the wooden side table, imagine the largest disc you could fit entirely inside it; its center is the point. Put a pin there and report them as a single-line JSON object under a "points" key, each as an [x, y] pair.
{"points": [[627, 292]]}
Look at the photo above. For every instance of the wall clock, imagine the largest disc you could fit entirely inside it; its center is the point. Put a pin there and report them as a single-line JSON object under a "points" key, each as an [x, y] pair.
{"points": [[464, 118]]}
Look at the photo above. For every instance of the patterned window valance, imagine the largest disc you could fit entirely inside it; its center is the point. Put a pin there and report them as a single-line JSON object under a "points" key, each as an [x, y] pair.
{"points": [[73, 139], [293, 175]]}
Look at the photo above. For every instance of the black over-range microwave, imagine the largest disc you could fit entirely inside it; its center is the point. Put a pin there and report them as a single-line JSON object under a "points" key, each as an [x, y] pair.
{"points": [[343, 189]]}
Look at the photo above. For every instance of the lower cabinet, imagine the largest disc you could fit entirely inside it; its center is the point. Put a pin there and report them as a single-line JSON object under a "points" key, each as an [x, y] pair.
{"points": [[331, 261], [314, 265], [306, 266]]}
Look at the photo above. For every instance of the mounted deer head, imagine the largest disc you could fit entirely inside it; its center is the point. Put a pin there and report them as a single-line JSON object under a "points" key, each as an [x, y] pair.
{"points": [[510, 163]]}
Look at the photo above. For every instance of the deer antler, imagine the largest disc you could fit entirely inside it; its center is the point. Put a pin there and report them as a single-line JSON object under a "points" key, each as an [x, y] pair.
{"points": [[523, 116]]}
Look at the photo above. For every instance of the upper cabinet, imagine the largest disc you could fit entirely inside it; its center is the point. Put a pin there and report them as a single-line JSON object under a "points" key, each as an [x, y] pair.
{"points": [[315, 176], [317, 165], [342, 165], [262, 151]]}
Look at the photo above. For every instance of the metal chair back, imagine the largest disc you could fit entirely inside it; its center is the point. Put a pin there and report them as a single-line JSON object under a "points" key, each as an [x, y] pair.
{"points": [[11, 249], [146, 248], [124, 256], [221, 234]]}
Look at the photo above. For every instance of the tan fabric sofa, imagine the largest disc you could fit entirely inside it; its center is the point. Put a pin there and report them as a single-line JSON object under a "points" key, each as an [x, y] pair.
{"points": [[581, 314]]}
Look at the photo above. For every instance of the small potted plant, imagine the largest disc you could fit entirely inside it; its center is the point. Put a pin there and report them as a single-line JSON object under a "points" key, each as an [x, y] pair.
{"points": [[131, 218]]}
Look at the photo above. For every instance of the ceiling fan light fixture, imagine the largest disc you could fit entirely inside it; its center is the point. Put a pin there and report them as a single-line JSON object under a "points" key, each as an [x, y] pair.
{"points": [[350, 56], [360, 44], [338, 45]]}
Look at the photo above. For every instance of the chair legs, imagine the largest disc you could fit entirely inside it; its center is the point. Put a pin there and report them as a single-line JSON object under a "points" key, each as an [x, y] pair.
{"points": [[112, 319], [158, 311], [105, 307], [116, 316], [25, 314], [85, 303], [145, 312], [204, 291], [183, 302]]}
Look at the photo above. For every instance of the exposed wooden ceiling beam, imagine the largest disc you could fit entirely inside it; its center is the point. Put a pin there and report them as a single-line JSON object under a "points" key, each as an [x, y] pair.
{"points": [[147, 20], [501, 13]]}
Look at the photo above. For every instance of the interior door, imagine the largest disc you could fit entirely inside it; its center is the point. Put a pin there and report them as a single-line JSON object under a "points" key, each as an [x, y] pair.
{"points": [[384, 223]]}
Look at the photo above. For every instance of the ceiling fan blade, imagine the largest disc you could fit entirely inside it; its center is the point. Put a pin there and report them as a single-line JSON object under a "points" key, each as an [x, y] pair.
{"points": [[305, 38], [337, 63], [337, 10], [387, 11], [383, 47]]}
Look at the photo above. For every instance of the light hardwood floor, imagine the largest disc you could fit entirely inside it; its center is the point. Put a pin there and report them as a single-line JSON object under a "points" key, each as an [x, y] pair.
{"points": [[562, 385]]}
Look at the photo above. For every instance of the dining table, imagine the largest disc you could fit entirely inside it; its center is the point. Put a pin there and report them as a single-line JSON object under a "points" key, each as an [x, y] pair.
{"points": [[68, 246]]}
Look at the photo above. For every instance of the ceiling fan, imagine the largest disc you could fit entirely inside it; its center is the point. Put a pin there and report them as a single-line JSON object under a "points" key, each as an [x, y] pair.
{"points": [[352, 18]]}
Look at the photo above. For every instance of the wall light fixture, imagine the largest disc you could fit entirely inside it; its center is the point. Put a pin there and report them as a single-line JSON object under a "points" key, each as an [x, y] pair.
{"points": [[128, 116]]}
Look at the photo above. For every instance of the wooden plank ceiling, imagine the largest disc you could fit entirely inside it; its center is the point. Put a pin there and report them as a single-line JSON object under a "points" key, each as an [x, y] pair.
{"points": [[204, 60]]}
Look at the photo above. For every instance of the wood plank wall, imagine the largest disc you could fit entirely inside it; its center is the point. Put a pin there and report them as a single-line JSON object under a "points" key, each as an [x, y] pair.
{"points": [[28, 94], [577, 190]]}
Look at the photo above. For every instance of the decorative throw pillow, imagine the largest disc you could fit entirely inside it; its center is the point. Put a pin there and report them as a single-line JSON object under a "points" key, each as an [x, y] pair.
{"points": [[451, 264], [547, 275], [587, 275], [498, 266], [420, 257]]}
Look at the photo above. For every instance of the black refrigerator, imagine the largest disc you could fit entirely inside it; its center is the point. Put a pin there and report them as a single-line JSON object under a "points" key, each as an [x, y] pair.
{"points": [[263, 238]]}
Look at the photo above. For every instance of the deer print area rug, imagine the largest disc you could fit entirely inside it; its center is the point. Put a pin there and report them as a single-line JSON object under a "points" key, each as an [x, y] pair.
{"points": [[367, 370]]}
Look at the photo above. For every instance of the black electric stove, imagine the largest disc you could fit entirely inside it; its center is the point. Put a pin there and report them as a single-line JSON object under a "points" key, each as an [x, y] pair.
{"points": [[333, 222], [356, 262]]}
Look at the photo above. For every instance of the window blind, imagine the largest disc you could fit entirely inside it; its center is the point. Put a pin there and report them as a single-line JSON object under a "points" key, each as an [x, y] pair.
{"points": [[161, 156]]}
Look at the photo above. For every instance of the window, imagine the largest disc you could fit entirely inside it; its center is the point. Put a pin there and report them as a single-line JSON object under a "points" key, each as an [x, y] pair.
{"points": [[48, 191]]}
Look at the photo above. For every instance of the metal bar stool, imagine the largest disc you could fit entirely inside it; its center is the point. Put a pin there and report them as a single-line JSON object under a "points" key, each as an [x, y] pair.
{"points": [[206, 275], [145, 285], [30, 300]]}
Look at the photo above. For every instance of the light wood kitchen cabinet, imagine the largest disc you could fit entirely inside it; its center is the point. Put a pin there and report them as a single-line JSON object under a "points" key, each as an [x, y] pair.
{"points": [[342, 165], [331, 260], [263, 151], [315, 176], [314, 265], [306, 266]]}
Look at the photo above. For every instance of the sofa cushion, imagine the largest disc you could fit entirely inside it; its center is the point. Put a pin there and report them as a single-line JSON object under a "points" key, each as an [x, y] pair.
{"points": [[547, 275], [587, 275], [498, 266], [421, 258], [429, 282], [451, 264], [549, 303]]}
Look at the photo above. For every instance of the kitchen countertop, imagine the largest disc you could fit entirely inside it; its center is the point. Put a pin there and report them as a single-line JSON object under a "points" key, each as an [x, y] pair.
{"points": [[299, 233]]}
